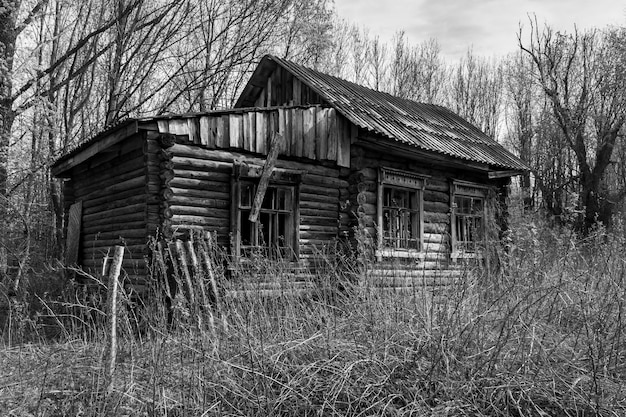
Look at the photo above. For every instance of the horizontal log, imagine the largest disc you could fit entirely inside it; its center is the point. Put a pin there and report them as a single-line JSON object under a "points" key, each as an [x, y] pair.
{"points": [[306, 236], [194, 164], [185, 183], [208, 203], [228, 156], [317, 220], [435, 247], [130, 184], [319, 190], [120, 164], [435, 237], [320, 198], [323, 181], [325, 229], [118, 203], [308, 212], [106, 161], [212, 176], [432, 195], [317, 205], [110, 198], [116, 212], [430, 217], [200, 211], [132, 217], [212, 191], [434, 184], [139, 232], [98, 187], [436, 227], [181, 220], [90, 244], [436, 207], [113, 227]]}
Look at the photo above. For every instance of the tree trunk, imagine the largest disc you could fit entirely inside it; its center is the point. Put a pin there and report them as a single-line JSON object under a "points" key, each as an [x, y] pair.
{"points": [[8, 33]]}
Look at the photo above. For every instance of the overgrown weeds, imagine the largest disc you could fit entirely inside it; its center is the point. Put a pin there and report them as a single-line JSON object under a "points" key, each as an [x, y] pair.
{"points": [[542, 336]]}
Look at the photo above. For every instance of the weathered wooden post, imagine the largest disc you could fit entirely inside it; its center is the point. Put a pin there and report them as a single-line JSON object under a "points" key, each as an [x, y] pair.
{"points": [[112, 300]]}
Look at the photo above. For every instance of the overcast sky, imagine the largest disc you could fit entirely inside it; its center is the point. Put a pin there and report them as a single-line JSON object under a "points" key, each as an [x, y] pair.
{"points": [[490, 27]]}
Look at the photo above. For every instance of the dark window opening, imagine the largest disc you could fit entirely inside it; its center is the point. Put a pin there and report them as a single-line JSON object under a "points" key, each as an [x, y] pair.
{"points": [[400, 217], [469, 222], [274, 234]]}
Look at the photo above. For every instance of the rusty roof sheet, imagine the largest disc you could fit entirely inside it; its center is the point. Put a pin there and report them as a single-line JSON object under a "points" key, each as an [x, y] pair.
{"points": [[426, 126]]}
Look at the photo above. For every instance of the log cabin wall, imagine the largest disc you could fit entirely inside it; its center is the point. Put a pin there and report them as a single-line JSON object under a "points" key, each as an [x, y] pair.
{"points": [[363, 183], [112, 188], [197, 171]]}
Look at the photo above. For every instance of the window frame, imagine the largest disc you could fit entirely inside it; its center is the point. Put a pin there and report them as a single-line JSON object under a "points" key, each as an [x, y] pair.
{"points": [[467, 189], [415, 184], [280, 179]]}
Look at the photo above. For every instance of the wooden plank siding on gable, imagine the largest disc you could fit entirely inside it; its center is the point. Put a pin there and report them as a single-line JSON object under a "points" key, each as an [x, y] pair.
{"points": [[313, 132]]}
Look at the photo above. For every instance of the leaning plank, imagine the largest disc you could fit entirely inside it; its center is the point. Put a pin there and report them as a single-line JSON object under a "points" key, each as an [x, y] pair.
{"points": [[268, 167]]}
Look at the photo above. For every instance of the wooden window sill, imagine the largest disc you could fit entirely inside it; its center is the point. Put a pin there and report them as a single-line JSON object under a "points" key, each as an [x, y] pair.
{"points": [[400, 253]]}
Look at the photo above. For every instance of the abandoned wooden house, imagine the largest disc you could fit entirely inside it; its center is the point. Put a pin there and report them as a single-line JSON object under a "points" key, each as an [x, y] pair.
{"points": [[320, 154]]}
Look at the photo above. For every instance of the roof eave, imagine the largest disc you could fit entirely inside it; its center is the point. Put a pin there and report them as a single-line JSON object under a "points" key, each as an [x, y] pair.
{"points": [[100, 143]]}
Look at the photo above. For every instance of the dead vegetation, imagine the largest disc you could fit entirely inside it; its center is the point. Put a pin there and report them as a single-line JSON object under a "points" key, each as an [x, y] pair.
{"points": [[543, 335]]}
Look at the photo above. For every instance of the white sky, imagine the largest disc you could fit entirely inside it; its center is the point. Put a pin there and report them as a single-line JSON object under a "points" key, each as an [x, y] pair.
{"points": [[490, 27]]}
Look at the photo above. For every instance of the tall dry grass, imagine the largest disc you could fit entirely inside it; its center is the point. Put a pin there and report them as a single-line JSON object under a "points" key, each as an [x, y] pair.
{"points": [[539, 334]]}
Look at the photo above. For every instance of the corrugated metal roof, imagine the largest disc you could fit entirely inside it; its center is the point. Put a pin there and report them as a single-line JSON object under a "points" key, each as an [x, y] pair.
{"points": [[426, 126]]}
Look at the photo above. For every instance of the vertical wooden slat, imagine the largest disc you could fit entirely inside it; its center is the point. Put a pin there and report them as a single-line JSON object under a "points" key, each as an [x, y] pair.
{"points": [[282, 122], [261, 141], [226, 137], [205, 131], [269, 91], [321, 133], [333, 135], [193, 127], [178, 127], [245, 132], [219, 133], [235, 128], [308, 125], [297, 136], [287, 140], [343, 150], [164, 126], [297, 92]]}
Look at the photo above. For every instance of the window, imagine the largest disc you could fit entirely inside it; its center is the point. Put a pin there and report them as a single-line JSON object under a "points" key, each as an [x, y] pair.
{"points": [[468, 218], [400, 213], [400, 218], [275, 234]]}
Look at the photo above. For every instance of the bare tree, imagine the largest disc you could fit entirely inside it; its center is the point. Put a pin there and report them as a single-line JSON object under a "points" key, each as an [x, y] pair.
{"points": [[582, 76], [475, 91]]}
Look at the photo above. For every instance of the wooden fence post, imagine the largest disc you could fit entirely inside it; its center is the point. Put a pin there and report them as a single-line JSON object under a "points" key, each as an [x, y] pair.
{"points": [[113, 284]]}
